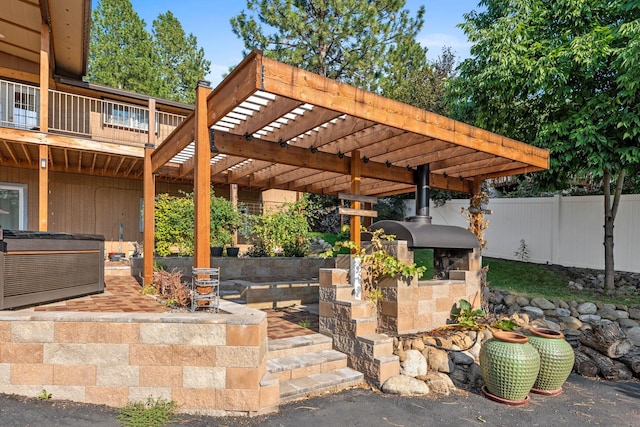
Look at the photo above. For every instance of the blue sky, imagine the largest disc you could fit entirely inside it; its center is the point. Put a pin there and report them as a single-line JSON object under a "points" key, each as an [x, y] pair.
{"points": [[208, 20]]}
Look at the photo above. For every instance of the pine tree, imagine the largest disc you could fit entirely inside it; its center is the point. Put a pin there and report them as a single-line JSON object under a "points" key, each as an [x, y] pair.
{"points": [[181, 62], [367, 43], [121, 54]]}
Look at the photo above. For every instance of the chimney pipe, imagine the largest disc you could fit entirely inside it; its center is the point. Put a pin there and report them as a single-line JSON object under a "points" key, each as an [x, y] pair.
{"points": [[422, 195]]}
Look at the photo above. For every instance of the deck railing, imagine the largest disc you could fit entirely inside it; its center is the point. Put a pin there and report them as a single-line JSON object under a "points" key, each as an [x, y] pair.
{"points": [[82, 116]]}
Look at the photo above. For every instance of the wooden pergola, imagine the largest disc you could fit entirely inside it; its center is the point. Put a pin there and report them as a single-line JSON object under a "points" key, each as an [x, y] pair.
{"points": [[269, 125]]}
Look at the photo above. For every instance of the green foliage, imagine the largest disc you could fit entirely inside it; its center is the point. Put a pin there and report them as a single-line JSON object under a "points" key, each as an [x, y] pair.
{"points": [[148, 290], [305, 323], [377, 263], [181, 62], [121, 53], [44, 395], [124, 55], [505, 325], [285, 229], [174, 222], [157, 266], [152, 413], [464, 315], [368, 44], [534, 280]]}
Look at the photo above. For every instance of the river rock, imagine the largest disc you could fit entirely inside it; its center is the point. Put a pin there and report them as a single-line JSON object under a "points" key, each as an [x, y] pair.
{"points": [[417, 344], [439, 383], [439, 361], [405, 386], [571, 323], [522, 301], [634, 313], [563, 312], [608, 313], [543, 303], [533, 312], [461, 358], [587, 308], [622, 314], [414, 365], [628, 323], [589, 318], [634, 335]]}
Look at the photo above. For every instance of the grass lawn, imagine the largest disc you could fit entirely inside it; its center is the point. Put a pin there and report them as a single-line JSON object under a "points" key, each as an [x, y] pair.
{"points": [[533, 280]]}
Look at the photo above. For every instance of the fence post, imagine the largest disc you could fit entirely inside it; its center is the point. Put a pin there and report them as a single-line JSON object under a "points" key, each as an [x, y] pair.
{"points": [[555, 230]]}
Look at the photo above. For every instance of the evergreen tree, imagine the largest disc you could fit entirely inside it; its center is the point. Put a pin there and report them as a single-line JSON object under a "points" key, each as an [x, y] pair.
{"points": [[367, 43], [181, 62], [121, 54]]}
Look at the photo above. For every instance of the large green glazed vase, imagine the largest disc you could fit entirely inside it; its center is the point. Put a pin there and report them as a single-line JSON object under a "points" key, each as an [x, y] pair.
{"points": [[509, 366], [556, 360]]}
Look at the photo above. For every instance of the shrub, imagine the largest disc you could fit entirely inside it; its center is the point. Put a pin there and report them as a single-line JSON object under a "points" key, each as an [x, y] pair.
{"points": [[286, 229]]}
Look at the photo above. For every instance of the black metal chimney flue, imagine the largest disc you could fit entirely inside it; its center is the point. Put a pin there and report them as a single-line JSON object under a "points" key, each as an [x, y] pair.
{"points": [[422, 195]]}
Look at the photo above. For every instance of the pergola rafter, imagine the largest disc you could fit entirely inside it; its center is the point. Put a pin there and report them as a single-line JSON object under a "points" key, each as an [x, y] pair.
{"points": [[276, 126]]}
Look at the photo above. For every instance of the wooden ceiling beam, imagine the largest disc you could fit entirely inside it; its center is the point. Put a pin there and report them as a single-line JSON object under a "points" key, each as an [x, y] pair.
{"points": [[259, 149], [285, 80], [177, 141], [243, 82], [27, 155]]}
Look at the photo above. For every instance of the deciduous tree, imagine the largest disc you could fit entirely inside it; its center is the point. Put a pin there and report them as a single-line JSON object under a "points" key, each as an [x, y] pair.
{"points": [[562, 75]]}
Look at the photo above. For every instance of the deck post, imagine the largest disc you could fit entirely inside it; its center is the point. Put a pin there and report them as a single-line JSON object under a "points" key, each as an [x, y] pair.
{"points": [[149, 193], [202, 179]]}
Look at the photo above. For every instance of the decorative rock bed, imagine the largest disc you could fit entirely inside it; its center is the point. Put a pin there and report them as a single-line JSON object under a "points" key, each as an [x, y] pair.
{"points": [[426, 359]]}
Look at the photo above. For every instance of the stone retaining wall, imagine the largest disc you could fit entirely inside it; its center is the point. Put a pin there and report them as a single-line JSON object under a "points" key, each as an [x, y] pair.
{"points": [[207, 363], [251, 269]]}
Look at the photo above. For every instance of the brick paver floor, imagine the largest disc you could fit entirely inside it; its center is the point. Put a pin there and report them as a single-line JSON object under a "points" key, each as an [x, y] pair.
{"points": [[122, 295]]}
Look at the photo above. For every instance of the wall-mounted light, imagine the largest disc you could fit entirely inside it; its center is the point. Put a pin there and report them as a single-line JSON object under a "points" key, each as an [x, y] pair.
{"points": [[388, 163], [365, 160], [282, 143], [314, 150], [212, 141], [248, 137], [341, 154], [43, 163]]}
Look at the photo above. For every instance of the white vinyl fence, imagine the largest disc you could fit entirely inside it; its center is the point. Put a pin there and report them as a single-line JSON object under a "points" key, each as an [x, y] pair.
{"points": [[560, 230]]}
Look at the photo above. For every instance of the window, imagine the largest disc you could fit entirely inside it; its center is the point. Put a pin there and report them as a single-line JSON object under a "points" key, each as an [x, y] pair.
{"points": [[19, 105], [13, 200], [25, 114], [127, 116]]}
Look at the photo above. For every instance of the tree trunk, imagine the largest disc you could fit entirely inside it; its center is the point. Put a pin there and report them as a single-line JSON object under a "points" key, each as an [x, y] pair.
{"points": [[632, 360], [608, 339], [604, 364], [610, 211], [583, 364]]}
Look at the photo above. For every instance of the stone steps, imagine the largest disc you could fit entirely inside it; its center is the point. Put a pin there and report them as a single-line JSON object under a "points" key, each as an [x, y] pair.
{"points": [[308, 366]]}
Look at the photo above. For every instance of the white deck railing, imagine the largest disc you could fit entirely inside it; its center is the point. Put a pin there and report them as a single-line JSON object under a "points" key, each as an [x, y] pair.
{"points": [[82, 116]]}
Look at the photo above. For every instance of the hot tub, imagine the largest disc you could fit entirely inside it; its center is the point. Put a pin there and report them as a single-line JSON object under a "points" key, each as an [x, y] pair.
{"points": [[38, 267]]}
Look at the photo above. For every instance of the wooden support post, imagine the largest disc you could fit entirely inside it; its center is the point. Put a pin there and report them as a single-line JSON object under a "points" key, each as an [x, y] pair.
{"points": [[43, 152], [356, 170], [233, 196], [44, 77], [149, 192], [43, 187], [202, 180]]}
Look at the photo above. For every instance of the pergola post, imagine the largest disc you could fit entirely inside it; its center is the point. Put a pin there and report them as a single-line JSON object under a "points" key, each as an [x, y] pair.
{"points": [[43, 161], [149, 193], [356, 170], [202, 180]]}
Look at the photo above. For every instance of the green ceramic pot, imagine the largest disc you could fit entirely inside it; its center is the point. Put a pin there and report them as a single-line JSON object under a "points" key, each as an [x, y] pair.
{"points": [[509, 366], [556, 360]]}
